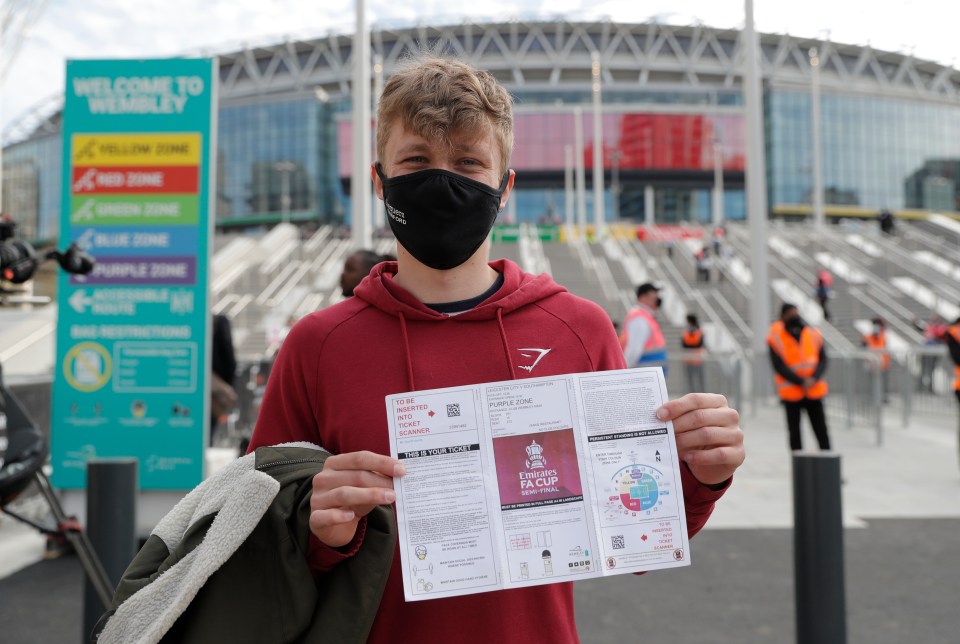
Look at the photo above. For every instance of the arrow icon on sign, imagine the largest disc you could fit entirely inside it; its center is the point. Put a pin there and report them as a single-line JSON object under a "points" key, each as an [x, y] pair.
{"points": [[79, 301], [85, 241]]}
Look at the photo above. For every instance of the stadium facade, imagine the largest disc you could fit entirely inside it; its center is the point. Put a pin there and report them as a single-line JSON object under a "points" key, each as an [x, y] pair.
{"points": [[672, 110]]}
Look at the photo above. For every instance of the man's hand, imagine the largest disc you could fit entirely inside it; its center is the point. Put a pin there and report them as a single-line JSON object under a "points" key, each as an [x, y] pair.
{"points": [[348, 488], [709, 438]]}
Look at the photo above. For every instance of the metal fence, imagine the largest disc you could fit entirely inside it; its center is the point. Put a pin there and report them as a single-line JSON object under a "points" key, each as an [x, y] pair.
{"points": [[923, 380], [857, 388], [722, 373], [918, 384]]}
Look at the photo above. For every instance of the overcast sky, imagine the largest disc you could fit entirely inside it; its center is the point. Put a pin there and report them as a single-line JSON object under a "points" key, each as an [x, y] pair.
{"points": [[155, 28]]}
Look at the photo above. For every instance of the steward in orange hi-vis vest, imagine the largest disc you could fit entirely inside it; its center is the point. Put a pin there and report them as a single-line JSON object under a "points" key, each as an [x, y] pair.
{"points": [[801, 358], [878, 342], [954, 332], [693, 346]]}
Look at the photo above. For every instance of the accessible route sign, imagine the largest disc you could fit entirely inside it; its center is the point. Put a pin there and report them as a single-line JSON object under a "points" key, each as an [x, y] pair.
{"points": [[133, 335]]}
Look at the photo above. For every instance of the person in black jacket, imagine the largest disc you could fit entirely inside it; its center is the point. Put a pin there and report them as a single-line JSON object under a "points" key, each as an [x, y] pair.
{"points": [[223, 359]]}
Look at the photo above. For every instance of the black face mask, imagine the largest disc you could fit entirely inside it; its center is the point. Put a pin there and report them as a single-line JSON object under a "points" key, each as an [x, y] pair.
{"points": [[659, 302], [793, 324], [440, 217]]}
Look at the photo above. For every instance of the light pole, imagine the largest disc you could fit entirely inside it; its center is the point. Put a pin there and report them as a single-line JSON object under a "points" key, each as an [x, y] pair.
{"points": [[285, 168], [818, 215], [568, 184], [360, 179], [717, 181], [615, 187], [581, 179], [324, 198], [598, 203], [379, 212], [756, 180]]}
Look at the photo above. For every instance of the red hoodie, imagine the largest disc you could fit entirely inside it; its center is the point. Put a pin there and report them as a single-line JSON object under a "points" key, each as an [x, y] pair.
{"points": [[337, 365]]}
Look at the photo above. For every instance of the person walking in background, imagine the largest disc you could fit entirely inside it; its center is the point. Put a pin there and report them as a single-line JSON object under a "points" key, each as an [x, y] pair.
{"points": [[356, 266], [876, 341], [822, 291], [641, 338], [717, 240], [799, 362], [693, 350], [886, 222], [824, 275], [952, 338], [703, 264], [933, 336], [223, 361]]}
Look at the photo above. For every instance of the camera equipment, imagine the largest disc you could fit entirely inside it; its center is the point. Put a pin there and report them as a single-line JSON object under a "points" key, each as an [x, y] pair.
{"points": [[23, 447], [19, 260]]}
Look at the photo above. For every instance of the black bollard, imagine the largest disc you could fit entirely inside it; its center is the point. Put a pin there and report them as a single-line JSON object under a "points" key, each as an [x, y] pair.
{"points": [[818, 549], [112, 490]]}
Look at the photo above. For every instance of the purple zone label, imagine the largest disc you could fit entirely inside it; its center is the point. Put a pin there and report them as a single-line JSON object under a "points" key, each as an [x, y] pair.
{"points": [[141, 270]]}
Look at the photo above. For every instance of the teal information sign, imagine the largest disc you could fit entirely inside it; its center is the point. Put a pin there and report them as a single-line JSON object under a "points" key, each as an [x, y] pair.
{"points": [[133, 335]]}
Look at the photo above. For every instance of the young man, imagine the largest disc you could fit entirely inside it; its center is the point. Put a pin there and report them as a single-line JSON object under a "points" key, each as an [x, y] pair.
{"points": [[799, 361], [443, 315]]}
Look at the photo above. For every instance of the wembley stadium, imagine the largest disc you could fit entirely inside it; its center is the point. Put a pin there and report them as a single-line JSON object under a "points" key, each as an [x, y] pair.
{"points": [[672, 116]]}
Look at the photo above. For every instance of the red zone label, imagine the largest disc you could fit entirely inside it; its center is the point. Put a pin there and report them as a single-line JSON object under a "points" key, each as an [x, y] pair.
{"points": [[136, 180]]}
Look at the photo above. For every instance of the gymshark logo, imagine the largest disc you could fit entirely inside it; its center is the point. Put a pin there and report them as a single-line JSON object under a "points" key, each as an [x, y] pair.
{"points": [[530, 353]]}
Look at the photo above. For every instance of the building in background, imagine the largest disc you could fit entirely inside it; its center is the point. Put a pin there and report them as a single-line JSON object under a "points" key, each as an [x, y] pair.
{"points": [[890, 133]]}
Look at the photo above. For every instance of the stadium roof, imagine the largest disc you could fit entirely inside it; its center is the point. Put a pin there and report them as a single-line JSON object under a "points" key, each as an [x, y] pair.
{"points": [[556, 55]]}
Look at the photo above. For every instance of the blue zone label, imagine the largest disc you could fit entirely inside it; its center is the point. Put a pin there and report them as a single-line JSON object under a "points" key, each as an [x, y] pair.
{"points": [[113, 242]]}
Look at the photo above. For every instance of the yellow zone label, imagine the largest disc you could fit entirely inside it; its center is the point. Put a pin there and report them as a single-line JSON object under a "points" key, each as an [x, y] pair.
{"points": [[135, 149], [87, 366]]}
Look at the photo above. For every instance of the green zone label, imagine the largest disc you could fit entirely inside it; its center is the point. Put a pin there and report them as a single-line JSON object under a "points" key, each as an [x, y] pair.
{"points": [[134, 209]]}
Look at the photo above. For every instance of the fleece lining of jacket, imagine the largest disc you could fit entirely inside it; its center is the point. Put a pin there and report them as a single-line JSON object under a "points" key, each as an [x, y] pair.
{"points": [[239, 495]]}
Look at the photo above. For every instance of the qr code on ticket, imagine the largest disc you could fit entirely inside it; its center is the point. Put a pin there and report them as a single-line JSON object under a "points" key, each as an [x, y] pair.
{"points": [[617, 542], [453, 410]]}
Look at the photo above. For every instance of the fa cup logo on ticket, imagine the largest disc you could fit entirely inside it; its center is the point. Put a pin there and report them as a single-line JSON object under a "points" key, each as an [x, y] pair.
{"points": [[535, 459]]}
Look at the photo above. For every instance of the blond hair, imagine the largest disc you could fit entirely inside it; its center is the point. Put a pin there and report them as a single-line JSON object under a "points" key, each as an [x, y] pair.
{"points": [[435, 97]]}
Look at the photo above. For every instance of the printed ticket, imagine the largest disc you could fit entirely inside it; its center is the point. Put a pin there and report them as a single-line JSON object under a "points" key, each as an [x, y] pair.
{"points": [[536, 481]]}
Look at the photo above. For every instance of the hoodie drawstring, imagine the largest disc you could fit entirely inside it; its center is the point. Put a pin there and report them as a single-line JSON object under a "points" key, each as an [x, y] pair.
{"points": [[406, 347], [506, 347]]}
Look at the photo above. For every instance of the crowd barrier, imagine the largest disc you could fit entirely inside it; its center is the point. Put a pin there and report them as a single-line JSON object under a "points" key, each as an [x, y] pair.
{"points": [[917, 385]]}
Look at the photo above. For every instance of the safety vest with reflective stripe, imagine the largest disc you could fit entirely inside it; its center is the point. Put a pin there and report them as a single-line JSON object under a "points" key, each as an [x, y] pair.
{"points": [[693, 344], [955, 332], [655, 340], [878, 342], [801, 358]]}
